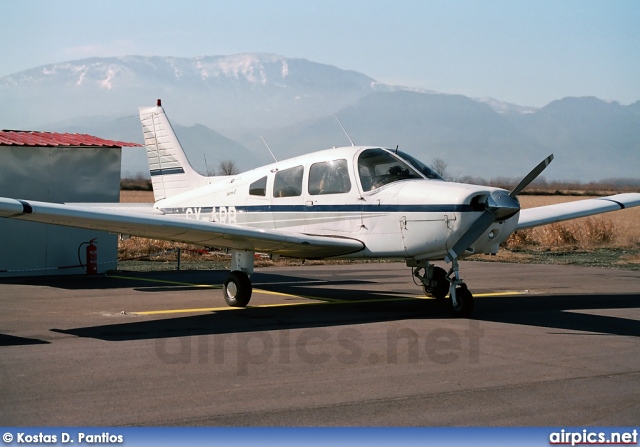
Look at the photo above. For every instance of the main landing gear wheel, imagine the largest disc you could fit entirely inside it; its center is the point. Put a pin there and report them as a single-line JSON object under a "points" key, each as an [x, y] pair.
{"points": [[237, 289], [438, 285], [464, 308]]}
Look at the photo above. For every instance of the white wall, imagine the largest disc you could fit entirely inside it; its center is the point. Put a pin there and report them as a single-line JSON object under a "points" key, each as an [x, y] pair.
{"points": [[56, 174]]}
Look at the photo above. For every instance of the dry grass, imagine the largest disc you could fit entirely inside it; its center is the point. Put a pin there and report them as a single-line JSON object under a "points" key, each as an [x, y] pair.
{"points": [[163, 252], [589, 233], [140, 248], [135, 184], [619, 229], [136, 196], [631, 258]]}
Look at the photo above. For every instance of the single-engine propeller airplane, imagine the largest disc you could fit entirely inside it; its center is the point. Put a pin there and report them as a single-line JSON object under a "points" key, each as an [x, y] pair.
{"points": [[351, 202]]}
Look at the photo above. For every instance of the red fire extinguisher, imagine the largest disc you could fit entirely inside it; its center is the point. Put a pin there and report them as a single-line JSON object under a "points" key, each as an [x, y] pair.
{"points": [[92, 258]]}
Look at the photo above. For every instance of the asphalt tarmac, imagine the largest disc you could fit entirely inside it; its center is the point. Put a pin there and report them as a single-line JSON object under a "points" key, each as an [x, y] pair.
{"points": [[346, 345]]}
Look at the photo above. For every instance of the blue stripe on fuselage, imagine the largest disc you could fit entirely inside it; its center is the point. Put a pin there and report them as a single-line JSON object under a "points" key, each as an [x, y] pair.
{"points": [[333, 209]]}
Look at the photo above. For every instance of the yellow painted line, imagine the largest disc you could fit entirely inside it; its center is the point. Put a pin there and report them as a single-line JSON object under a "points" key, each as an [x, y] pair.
{"points": [[182, 311], [500, 293], [288, 295], [478, 295], [219, 309], [228, 308], [316, 300], [164, 281]]}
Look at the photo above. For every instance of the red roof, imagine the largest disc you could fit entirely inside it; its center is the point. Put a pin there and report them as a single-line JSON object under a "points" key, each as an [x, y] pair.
{"points": [[49, 139]]}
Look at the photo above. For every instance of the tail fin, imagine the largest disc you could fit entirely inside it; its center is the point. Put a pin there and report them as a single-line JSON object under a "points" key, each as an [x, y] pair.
{"points": [[171, 173]]}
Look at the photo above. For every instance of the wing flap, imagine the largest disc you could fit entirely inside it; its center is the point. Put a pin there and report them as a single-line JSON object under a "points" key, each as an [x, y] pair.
{"points": [[136, 208], [533, 217], [159, 226]]}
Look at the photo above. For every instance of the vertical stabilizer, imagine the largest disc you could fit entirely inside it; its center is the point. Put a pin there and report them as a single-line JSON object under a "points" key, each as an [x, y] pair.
{"points": [[171, 173]]}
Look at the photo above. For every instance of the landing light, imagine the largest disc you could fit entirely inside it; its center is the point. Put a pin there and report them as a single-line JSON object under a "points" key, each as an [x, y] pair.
{"points": [[492, 234]]}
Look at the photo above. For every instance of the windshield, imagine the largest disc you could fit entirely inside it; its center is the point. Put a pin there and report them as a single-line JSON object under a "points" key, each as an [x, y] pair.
{"points": [[424, 169], [378, 167]]}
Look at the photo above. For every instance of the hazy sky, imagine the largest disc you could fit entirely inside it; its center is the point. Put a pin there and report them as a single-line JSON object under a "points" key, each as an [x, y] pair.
{"points": [[525, 52]]}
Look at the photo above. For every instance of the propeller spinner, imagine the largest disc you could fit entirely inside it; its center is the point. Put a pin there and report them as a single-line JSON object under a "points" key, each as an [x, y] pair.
{"points": [[498, 206]]}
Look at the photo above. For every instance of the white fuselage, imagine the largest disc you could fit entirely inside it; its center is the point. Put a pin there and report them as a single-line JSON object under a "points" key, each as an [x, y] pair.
{"points": [[416, 217]]}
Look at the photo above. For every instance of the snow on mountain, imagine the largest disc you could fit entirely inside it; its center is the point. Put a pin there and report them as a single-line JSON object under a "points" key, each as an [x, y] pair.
{"points": [[102, 72], [292, 102], [244, 90], [505, 107]]}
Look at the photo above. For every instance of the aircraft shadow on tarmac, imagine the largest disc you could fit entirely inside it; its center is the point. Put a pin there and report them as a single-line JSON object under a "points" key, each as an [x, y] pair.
{"points": [[365, 301], [575, 313], [569, 313], [365, 307], [161, 281], [12, 340], [120, 279]]}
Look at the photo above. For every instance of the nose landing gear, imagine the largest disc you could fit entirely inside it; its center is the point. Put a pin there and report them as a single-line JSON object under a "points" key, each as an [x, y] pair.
{"points": [[437, 283]]}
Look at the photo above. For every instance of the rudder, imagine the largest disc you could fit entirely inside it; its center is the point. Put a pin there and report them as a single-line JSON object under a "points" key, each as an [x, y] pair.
{"points": [[171, 172]]}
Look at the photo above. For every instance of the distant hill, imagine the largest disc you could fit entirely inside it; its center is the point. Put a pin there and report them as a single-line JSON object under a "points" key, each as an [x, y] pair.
{"points": [[450, 127], [221, 105], [591, 139], [221, 92], [594, 139]]}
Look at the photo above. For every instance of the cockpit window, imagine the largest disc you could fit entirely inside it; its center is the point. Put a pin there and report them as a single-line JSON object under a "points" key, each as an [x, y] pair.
{"points": [[378, 167], [424, 169]]}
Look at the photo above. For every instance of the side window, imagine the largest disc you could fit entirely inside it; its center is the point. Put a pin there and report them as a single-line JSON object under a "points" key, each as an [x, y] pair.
{"points": [[288, 182], [259, 187], [329, 177]]}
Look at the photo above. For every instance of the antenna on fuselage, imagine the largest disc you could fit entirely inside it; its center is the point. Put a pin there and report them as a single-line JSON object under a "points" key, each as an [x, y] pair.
{"points": [[206, 165], [268, 148], [343, 129]]}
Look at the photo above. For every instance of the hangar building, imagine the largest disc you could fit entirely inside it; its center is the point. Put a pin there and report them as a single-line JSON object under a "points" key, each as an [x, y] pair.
{"points": [[56, 167]]}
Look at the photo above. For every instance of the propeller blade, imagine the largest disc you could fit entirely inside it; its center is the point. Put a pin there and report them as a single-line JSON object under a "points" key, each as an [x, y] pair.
{"points": [[472, 234], [531, 176], [499, 206]]}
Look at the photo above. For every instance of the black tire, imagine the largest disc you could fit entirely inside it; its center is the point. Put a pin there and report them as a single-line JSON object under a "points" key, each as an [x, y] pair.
{"points": [[237, 289], [464, 309], [439, 285]]}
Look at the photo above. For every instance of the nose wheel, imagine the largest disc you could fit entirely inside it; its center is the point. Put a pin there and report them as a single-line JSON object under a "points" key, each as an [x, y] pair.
{"points": [[461, 299], [438, 283], [462, 306]]}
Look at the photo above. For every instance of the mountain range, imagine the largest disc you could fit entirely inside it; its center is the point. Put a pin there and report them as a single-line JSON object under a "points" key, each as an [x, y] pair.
{"points": [[221, 106]]}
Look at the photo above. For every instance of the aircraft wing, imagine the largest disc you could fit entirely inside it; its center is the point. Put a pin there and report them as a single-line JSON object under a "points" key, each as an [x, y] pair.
{"points": [[533, 217], [145, 221]]}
